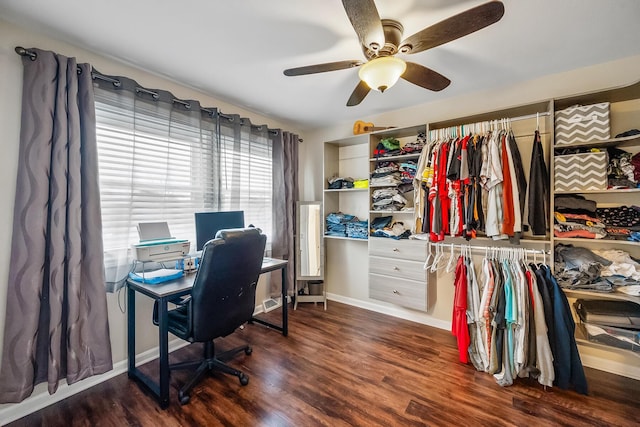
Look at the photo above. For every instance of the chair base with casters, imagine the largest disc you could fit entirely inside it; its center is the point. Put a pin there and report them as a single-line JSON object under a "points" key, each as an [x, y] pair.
{"points": [[212, 362]]}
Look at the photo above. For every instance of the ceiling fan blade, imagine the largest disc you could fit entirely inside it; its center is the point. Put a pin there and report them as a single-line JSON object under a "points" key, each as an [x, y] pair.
{"points": [[322, 68], [365, 19], [425, 77], [358, 94], [453, 28]]}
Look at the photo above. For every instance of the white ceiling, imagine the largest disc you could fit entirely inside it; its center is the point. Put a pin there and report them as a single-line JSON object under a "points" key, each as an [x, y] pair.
{"points": [[236, 50]]}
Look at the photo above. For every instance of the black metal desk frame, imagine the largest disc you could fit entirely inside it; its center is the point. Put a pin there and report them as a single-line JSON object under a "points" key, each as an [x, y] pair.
{"points": [[163, 294]]}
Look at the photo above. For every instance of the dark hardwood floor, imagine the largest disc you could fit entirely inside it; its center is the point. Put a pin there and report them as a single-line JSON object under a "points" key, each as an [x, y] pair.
{"points": [[349, 366]]}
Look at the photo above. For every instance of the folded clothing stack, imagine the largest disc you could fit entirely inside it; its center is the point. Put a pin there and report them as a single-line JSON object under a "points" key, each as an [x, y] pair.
{"points": [[361, 183], [387, 147], [622, 222], [357, 229], [386, 173], [576, 216], [414, 147], [621, 170], [385, 227], [345, 225], [408, 171], [388, 199], [336, 182]]}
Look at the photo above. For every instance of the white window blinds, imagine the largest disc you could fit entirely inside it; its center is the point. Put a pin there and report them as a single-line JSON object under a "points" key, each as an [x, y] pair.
{"points": [[157, 163], [246, 180]]}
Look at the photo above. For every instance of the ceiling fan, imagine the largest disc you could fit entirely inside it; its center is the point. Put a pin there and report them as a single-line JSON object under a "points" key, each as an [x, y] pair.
{"points": [[381, 40]]}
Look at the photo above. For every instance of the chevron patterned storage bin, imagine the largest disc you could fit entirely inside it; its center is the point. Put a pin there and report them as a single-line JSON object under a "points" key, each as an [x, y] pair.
{"points": [[585, 123], [580, 172]]}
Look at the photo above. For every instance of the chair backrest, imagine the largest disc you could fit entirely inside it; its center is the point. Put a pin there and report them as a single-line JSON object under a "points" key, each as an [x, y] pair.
{"points": [[224, 290]]}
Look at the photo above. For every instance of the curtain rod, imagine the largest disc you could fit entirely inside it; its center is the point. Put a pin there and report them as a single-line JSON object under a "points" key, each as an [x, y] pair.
{"points": [[95, 75]]}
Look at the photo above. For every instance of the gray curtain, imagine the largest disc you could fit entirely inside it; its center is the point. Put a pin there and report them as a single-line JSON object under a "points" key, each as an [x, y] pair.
{"points": [[285, 196], [56, 325]]}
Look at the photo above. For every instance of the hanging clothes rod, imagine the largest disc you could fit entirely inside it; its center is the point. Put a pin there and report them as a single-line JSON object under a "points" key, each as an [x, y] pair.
{"points": [[529, 116], [490, 248], [95, 75], [502, 121]]}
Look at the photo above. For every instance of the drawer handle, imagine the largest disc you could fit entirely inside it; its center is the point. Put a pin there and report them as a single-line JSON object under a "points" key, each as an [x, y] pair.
{"points": [[396, 268], [396, 250], [395, 291]]}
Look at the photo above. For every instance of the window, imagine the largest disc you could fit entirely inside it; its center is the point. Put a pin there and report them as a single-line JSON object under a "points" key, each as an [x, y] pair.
{"points": [[246, 176], [157, 163]]}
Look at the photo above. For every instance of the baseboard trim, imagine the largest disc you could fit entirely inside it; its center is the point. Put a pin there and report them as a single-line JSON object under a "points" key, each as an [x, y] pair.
{"points": [[14, 411], [394, 311]]}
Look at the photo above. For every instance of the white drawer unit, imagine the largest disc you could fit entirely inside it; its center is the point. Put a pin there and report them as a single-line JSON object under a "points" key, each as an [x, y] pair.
{"points": [[396, 267], [403, 292], [396, 272], [412, 250]]}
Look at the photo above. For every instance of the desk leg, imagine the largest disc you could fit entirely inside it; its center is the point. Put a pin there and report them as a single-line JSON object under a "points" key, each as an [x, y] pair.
{"points": [[131, 331], [285, 316], [163, 329]]}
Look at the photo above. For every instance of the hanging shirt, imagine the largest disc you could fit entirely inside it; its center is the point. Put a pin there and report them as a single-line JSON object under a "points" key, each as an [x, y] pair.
{"points": [[477, 350], [498, 323], [520, 331], [538, 189], [515, 195], [484, 312], [459, 327], [544, 357], [507, 191], [521, 181]]}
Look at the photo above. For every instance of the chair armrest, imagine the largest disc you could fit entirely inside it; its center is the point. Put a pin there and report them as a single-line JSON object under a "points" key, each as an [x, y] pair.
{"points": [[181, 302]]}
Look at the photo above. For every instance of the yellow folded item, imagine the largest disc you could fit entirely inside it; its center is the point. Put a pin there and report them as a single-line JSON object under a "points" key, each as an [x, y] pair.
{"points": [[361, 183]]}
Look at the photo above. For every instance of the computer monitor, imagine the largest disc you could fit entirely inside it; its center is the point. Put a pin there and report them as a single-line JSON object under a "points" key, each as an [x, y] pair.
{"points": [[209, 223]]}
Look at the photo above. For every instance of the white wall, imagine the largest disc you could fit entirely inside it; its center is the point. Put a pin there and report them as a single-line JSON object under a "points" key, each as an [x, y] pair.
{"points": [[10, 105]]}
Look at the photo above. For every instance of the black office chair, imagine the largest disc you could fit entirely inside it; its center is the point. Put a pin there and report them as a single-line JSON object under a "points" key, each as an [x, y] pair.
{"points": [[222, 300]]}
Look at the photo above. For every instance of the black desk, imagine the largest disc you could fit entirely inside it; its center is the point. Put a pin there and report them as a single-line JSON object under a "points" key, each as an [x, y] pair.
{"points": [[168, 291]]}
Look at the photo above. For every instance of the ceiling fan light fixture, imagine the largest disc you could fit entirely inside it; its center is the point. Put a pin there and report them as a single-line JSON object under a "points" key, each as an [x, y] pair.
{"points": [[382, 73]]}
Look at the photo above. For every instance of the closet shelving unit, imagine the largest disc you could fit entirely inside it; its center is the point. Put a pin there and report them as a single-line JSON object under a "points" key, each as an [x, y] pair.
{"points": [[352, 154], [346, 158], [396, 273], [404, 135], [624, 115]]}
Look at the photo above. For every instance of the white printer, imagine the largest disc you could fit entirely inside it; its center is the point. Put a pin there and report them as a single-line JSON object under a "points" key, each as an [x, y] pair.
{"points": [[157, 245]]}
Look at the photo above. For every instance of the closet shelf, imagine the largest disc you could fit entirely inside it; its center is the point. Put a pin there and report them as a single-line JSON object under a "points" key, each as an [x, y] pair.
{"points": [[406, 211], [622, 190], [345, 190], [578, 240], [383, 185], [581, 338], [505, 243], [398, 157], [343, 238], [575, 293], [626, 141]]}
